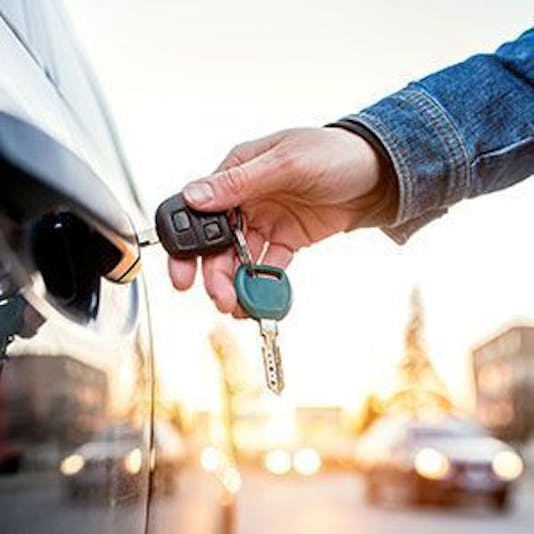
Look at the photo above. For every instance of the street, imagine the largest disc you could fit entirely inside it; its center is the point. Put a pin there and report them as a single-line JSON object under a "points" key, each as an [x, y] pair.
{"points": [[335, 503], [331, 503]]}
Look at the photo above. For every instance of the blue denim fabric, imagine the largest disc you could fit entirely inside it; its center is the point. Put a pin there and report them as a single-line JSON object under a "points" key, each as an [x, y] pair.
{"points": [[459, 133]]}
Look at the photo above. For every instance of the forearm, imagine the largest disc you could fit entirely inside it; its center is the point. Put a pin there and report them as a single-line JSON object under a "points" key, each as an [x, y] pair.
{"points": [[459, 133]]}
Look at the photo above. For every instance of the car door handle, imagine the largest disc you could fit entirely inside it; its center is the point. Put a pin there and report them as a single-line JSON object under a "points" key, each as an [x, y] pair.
{"points": [[39, 176]]}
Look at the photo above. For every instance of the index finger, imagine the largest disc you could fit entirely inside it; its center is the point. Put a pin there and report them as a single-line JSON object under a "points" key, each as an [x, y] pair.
{"points": [[219, 272]]}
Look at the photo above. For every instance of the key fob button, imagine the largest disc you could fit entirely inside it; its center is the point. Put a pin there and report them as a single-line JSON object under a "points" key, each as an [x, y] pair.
{"points": [[212, 231], [181, 221]]}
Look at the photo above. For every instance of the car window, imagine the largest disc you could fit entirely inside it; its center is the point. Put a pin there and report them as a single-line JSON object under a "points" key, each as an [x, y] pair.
{"points": [[447, 431], [14, 13], [89, 131], [72, 79]]}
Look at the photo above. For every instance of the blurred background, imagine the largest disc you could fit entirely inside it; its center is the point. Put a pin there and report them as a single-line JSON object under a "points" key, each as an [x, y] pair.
{"points": [[409, 370]]}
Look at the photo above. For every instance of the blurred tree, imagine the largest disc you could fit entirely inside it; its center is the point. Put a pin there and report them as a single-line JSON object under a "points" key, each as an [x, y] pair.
{"points": [[419, 386], [240, 392]]}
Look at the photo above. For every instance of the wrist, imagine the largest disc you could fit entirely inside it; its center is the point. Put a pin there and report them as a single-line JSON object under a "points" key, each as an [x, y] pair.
{"points": [[379, 205]]}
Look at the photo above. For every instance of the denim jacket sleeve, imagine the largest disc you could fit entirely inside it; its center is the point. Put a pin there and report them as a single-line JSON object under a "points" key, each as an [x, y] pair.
{"points": [[458, 133]]}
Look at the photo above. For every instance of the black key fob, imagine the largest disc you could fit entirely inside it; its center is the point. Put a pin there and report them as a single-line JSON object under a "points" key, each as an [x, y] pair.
{"points": [[186, 233]]}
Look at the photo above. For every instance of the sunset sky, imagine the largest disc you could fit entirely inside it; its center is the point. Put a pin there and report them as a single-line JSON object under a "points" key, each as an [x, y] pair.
{"points": [[186, 80]]}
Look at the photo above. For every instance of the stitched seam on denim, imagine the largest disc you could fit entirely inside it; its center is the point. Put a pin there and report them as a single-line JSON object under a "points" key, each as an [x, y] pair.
{"points": [[409, 207], [502, 151], [400, 234], [459, 138], [444, 127], [392, 145]]}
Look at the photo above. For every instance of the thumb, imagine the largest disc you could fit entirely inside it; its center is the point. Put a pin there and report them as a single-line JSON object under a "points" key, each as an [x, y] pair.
{"points": [[231, 187]]}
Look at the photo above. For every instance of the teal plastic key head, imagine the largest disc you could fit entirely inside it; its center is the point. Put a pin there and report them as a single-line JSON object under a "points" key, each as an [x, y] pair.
{"points": [[263, 291]]}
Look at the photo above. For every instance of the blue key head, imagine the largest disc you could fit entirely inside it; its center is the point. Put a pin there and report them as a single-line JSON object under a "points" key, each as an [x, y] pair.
{"points": [[263, 291]]}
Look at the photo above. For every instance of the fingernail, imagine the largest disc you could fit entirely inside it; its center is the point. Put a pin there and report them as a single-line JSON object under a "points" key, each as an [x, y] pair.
{"points": [[199, 193]]}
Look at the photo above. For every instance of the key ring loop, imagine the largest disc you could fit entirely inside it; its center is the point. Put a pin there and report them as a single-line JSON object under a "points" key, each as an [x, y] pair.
{"points": [[239, 218], [242, 248]]}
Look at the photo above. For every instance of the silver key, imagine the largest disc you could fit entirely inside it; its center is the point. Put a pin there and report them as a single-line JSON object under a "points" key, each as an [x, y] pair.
{"points": [[272, 361]]}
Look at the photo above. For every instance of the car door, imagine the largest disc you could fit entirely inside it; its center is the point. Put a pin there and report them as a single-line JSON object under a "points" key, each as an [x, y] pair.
{"points": [[75, 350]]}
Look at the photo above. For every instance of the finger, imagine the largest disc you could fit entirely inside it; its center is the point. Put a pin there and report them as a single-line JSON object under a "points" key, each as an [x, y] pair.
{"points": [[238, 312], [249, 171], [278, 256], [249, 150], [182, 272], [219, 271], [229, 188]]}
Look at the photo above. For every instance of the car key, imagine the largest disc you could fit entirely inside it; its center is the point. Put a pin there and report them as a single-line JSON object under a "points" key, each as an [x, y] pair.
{"points": [[265, 294], [187, 233]]}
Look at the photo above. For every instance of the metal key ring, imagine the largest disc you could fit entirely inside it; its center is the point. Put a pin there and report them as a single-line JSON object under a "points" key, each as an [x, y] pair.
{"points": [[243, 250], [239, 218]]}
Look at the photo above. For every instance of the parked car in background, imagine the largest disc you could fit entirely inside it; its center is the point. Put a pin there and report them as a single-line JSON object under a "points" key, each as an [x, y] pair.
{"points": [[436, 460], [77, 380]]}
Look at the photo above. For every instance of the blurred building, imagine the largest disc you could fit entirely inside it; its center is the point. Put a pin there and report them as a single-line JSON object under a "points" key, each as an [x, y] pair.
{"points": [[52, 398], [504, 383], [313, 419]]}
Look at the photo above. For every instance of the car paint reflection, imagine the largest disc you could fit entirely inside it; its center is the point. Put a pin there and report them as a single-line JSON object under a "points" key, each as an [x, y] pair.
{"points": [[62, 384]]}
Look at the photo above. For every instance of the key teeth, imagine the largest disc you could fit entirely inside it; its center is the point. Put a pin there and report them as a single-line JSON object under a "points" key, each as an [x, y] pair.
{"points": [[273, 371]]}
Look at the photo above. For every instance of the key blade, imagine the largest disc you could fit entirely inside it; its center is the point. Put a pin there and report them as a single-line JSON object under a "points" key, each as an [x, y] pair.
{"points": [[147, 237], [272, 360], [273, 370]]}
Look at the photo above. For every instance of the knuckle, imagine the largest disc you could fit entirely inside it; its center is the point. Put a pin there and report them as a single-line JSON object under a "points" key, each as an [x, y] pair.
{"points": [[240, 149], [233, 158], [234, 180], [237, 156], [290, 162]]}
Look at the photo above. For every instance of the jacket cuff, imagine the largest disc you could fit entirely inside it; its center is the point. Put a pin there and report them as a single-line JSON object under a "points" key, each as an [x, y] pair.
{"points": [[428, 155]]}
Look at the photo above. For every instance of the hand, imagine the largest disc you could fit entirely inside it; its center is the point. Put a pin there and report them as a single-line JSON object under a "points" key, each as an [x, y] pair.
{"points": [[295, 188]]}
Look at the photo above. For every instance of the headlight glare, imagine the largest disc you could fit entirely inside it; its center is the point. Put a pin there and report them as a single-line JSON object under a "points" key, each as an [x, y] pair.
{"points": [[72, 464], [432, 464], [507, 465], [133, 461], [307, 462]]}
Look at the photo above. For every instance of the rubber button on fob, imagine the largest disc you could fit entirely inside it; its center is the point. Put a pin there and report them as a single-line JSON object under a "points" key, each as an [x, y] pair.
{"points": [[181, 221], [212, 231]]}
